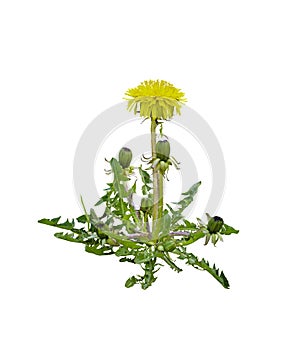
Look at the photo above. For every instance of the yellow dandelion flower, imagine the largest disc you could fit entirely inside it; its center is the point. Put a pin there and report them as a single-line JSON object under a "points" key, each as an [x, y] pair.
{"points": [[155, 99]]}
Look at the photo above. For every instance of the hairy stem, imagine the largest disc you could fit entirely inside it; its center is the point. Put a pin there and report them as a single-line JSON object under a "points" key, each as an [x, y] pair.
{"points": [[161, 194], [146, 225], [156, 195]]}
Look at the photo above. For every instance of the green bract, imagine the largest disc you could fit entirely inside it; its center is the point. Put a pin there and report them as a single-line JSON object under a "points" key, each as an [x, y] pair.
{"points": [[148, 233]]}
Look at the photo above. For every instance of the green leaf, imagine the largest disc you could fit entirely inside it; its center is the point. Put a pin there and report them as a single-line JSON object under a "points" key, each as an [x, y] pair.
{"points": [[184, 203], [123, 251], [55, 223], [143, 256], [144, 190], [122, 239], [193, 190], [69, 237], [227, 230], [119, 177], [192, 260], [187, 226], [192, 238], [98, 251], [126, 259], [165, 257], [132, 189], [131, 282], [148, 278], [104, 198], [219, 276], [146, 180], [82, 219], [85, 212], [190, 224]]}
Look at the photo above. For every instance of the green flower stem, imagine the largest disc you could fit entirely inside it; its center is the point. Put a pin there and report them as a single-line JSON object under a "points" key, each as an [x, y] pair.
{"points": [[156, 192], [146, 225], [161, 194]]}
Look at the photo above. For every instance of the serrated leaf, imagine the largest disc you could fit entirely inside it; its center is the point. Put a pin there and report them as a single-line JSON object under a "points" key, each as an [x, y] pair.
{"points": [[145, 176], [82, 219], [103, 199], [146, 180], [143, 256], [98, 251], [193, 189], [55, 223], [123, 251], [192, 238], [119, 177], [165, 257], [51, 222], [69, 237], [227, 230], [215, 273], [192, 260], [187, 226], [190, 224], [184, 203]]}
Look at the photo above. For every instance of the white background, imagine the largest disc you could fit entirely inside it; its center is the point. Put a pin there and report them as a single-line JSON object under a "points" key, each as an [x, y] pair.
{"points": [[62, 63]]}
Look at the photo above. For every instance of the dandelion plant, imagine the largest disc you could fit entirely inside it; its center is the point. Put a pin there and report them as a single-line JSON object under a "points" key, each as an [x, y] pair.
{"points": [[151, 233]]}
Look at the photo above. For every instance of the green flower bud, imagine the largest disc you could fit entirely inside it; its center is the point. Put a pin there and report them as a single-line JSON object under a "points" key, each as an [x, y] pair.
{"points": [[131, 282], [215, 224], [146, 205], [125, 157], [169, 245], [163, 150]]}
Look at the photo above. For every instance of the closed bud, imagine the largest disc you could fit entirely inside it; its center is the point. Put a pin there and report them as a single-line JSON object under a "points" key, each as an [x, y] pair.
{"points": [[163, 150], [131, 282], [146, 205], [215, 224], [169, 245], [125, 157]]}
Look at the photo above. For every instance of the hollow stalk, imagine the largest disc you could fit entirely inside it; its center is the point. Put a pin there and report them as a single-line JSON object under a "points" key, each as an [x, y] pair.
{"points": [[157, 182]]}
